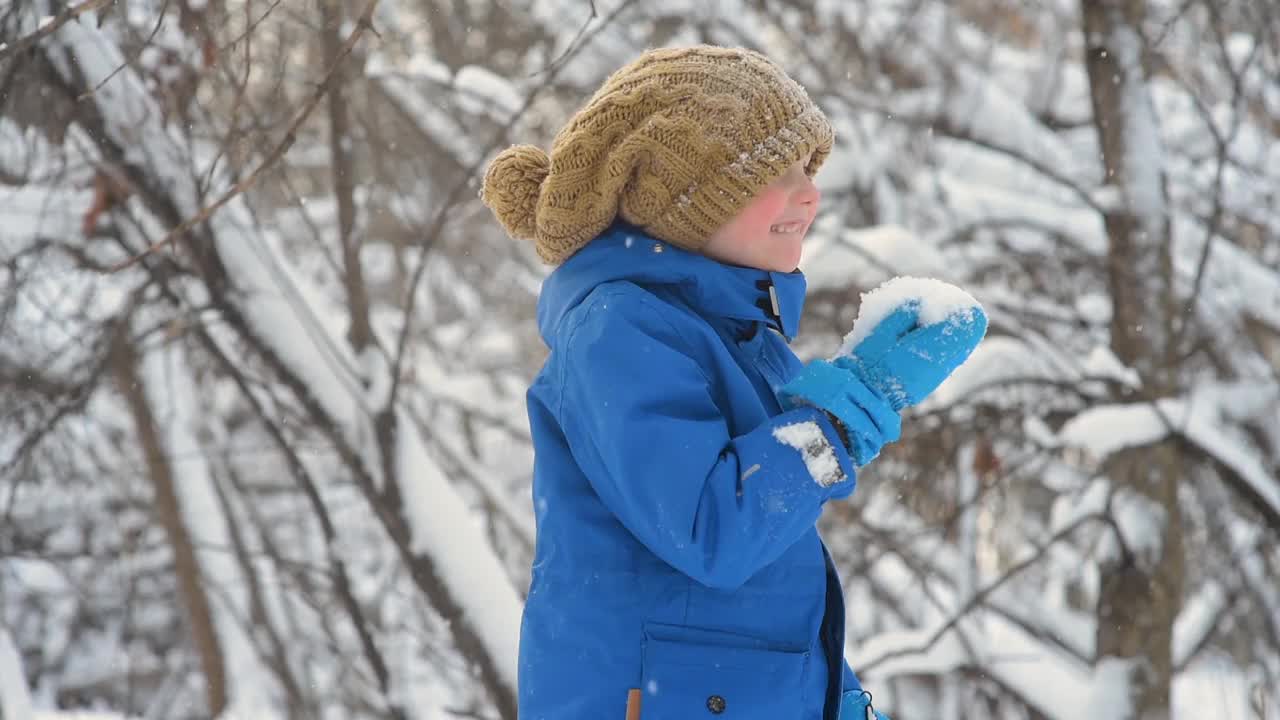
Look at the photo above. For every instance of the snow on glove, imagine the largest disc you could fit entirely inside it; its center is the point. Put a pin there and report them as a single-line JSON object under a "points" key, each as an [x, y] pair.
{"points": [[910, 335], [865, 421], [856, 705]]}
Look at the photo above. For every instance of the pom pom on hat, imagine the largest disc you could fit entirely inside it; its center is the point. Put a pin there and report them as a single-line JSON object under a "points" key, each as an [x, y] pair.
{"points": [[512, 185]]}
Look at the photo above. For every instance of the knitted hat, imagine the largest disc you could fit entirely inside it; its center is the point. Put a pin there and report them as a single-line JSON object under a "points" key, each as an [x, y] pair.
{"points": [[676, 142]]}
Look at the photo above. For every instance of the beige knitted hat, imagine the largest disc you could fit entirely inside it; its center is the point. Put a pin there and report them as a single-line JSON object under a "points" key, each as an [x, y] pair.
{"points": [[676, 142]]}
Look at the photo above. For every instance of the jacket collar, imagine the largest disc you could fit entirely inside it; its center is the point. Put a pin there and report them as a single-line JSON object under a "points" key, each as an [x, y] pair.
{"points": [[714, 289], [730, 291]]}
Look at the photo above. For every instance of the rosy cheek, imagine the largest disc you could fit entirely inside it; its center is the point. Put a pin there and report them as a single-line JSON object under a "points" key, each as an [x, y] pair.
{"points": [[764, 209]]}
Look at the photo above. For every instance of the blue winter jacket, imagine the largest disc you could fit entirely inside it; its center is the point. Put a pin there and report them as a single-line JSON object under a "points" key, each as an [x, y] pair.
{"points": [[676, 550]]}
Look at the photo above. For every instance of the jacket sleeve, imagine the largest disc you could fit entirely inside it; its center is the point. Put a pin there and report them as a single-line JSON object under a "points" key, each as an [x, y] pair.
{"points": [[642, 422], [850, 680]]}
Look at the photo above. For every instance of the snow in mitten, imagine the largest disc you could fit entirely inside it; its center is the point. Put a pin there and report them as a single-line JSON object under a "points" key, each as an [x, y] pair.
{"points": [[910, 335]]}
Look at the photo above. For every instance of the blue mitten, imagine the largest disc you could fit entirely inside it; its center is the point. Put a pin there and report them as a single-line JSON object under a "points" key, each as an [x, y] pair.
{"points": [[910, 335], [856, 705], [866, 422]]}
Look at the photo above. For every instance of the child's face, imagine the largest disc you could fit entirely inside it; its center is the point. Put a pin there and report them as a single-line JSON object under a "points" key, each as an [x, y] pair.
{"points": [[768, 232]]}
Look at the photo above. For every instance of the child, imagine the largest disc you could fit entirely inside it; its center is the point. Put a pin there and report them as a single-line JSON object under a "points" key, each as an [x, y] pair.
{"points": [[683, 452]]}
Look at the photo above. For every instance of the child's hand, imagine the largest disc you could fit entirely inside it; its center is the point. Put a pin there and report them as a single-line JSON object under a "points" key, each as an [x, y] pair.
{"points": [[865, 421], [910, 335]]}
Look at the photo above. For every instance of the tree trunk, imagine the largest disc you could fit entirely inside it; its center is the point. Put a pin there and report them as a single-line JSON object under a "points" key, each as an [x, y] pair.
{"points": [[1141, 586], [342, 167], [124, 364]]}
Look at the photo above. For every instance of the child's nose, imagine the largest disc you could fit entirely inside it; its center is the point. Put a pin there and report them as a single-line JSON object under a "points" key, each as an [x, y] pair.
{"points": [[806, 192]]}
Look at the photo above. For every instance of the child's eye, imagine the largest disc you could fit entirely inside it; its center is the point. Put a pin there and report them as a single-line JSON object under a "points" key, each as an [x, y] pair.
{"points": [[794, 177], [795, 173]]}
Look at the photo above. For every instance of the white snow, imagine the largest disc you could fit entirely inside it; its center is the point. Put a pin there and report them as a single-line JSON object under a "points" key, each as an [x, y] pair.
{"points": [[1142, 522], [128, 110], [868, 256], [1102, 362], [90, 715], [1216, 687], [446, 530], [486, 86], [1110, 692], [434, 120], [997, 362], [1003, 650], [245, 708], [1197, 619], [284, 315], [1239, 282], [293, 318], [1058, 686], [15, 697], [997, 203], [992, 199], [981, 108], [426, 67], [1236, 453], [1106, 429], [938, 302], [1094, 308], [1144, 156], [812, 444], [169, 390]]}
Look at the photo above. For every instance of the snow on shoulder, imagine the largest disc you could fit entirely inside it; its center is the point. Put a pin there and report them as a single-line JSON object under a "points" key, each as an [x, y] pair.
{"points": [[938, 302]]}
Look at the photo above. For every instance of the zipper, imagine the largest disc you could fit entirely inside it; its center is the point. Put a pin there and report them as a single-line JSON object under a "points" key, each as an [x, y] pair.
{"points": [[770, 304], [871, 711]]}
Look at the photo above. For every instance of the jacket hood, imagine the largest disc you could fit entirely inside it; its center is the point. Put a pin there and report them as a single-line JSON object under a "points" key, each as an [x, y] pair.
{"points": [[714, 289]]}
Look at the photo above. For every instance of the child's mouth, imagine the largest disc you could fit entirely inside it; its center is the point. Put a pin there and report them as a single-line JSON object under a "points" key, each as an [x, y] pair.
{"points": [[787, 228]]}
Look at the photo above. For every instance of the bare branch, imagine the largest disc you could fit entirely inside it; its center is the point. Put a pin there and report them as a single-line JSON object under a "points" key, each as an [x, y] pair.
{"points": [[49, 28], [438, 222], [164, 9], [981, 595], [363, 24], [569, 49]]}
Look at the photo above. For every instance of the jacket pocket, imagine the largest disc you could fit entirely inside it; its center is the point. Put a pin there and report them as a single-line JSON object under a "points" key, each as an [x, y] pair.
{"points": [[693, 674]]}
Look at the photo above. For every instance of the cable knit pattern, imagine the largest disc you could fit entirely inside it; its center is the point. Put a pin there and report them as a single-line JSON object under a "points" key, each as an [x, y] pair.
{"points": [[676, 142]]}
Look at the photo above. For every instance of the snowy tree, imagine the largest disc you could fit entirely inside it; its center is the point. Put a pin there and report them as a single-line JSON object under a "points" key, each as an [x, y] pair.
{"points": [[1055, 160], [263, 450]]}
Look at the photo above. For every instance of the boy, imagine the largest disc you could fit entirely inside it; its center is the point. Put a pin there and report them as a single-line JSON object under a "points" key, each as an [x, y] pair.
{"points": [[683, 452]]}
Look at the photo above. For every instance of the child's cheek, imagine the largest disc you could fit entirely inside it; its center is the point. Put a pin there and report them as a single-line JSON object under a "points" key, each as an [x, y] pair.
{"points": [[764, 210]]}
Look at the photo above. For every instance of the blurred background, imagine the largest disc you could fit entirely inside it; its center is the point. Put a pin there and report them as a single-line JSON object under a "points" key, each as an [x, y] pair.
{"points": [[263, 353]]}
